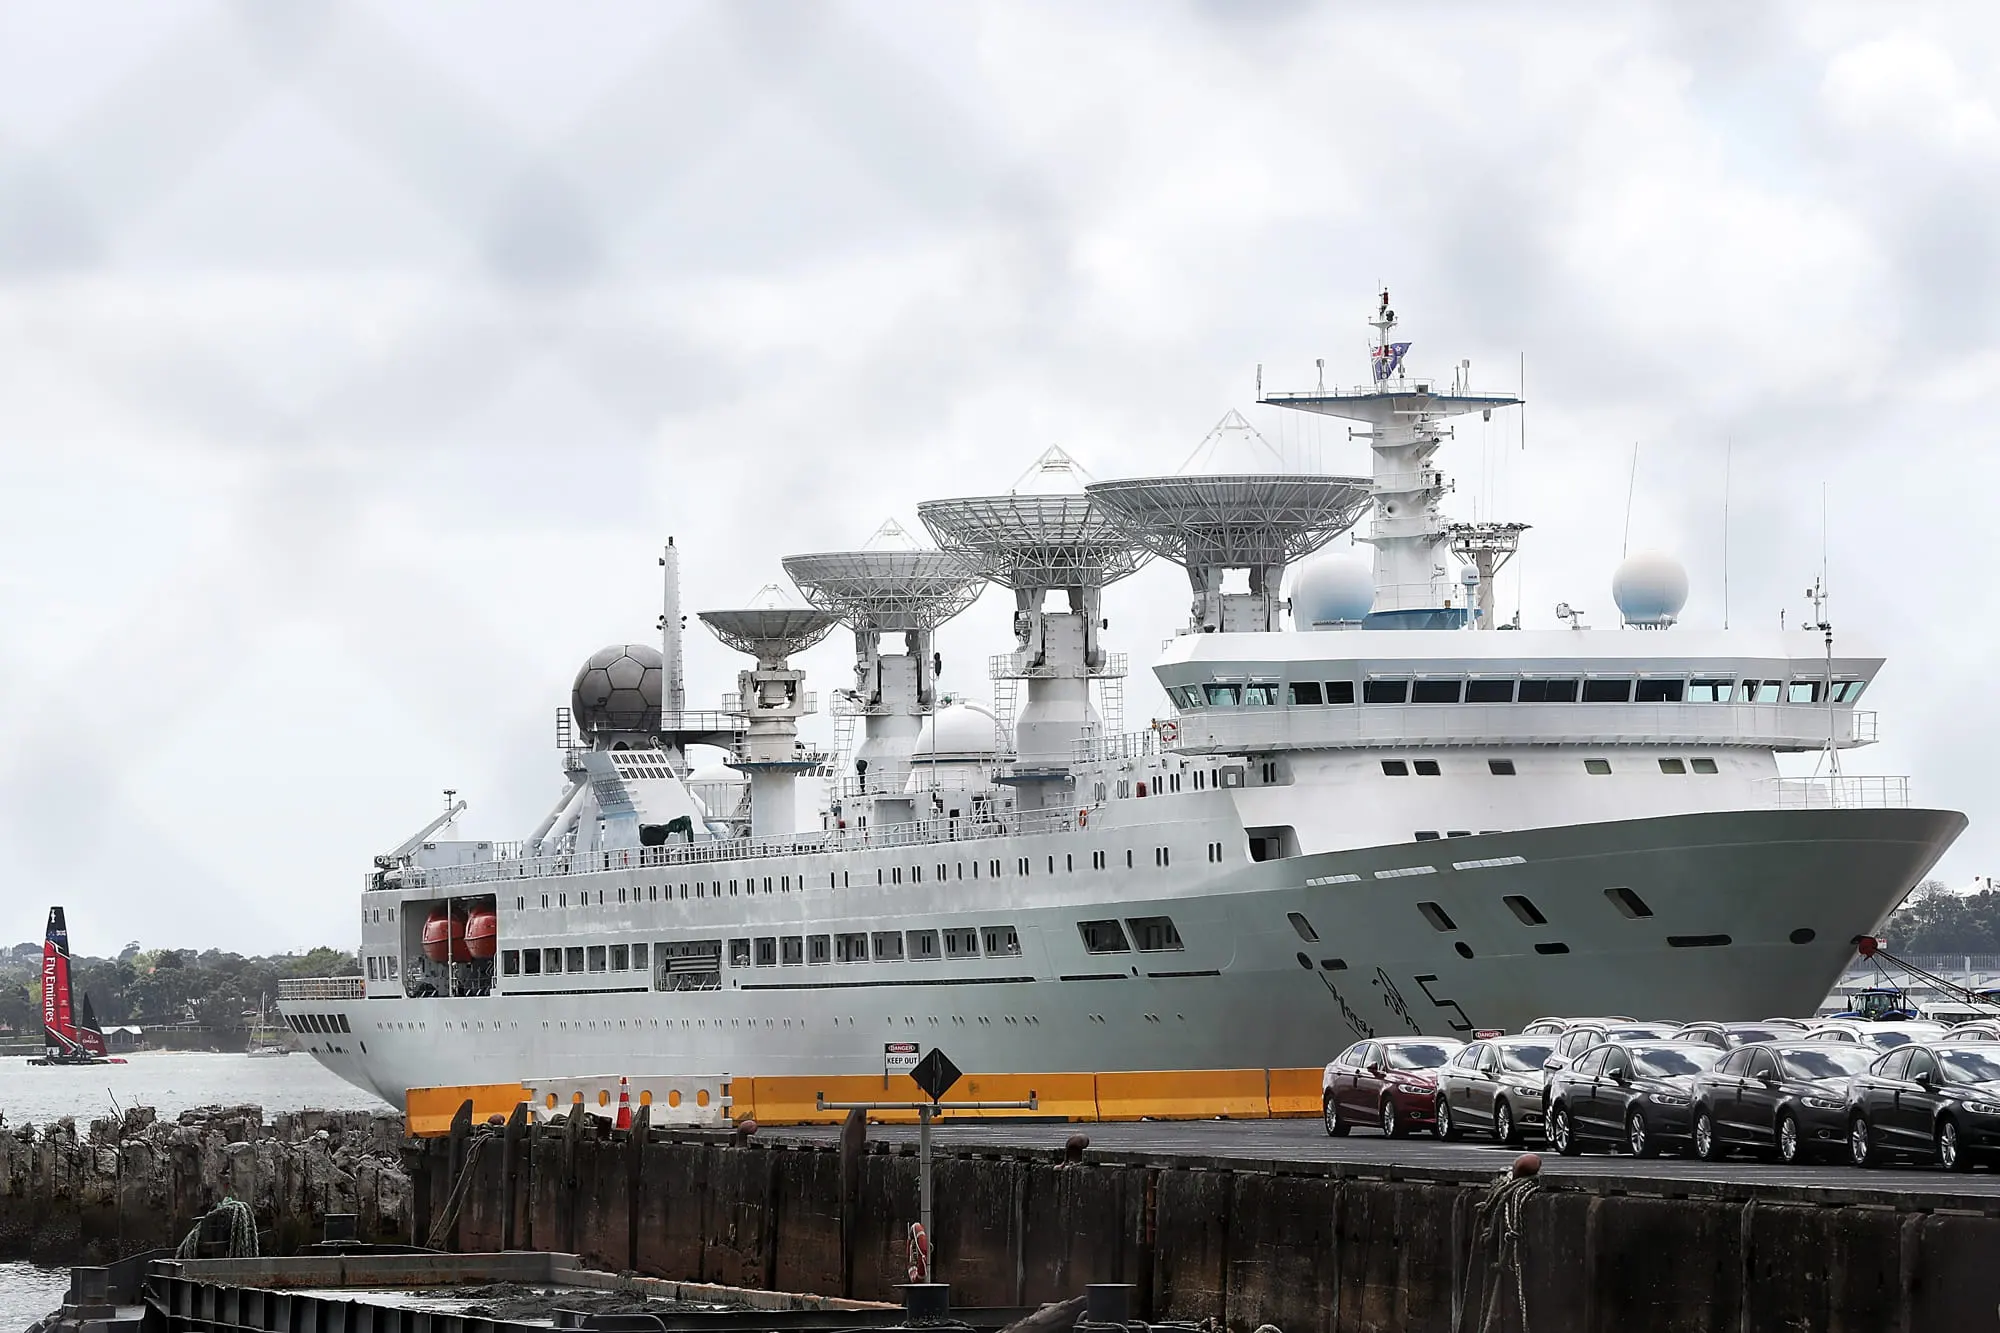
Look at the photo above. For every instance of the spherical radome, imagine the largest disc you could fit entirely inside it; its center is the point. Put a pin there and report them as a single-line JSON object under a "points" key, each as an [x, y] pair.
{"points": [[1650, 588], [960, 728], [619, 689], [1332, 590]]}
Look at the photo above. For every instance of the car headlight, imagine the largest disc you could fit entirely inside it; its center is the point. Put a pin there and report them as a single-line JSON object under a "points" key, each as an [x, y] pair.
{"points": [[1667, 1099], [1983, 1108], [1824, 1103], [1415, 1087]]}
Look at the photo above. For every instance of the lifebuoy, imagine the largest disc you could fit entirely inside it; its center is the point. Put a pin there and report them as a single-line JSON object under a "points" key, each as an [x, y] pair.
{"points": [[1170, 732], [1083, 819]]}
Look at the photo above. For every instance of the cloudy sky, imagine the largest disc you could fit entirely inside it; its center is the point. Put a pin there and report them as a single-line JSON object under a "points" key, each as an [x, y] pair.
{"points": [[355, 360]]}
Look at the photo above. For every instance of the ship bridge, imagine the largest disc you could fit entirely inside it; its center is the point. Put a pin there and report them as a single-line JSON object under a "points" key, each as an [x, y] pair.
{"points": [[1774, 691]]}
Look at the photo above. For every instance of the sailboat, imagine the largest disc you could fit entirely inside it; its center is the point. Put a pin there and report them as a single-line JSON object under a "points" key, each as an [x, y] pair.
{"points": [[70, 1034], [267, 1037]]}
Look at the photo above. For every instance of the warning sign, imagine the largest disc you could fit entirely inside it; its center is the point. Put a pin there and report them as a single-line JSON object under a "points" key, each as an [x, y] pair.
{"points": [[900, 1057]]}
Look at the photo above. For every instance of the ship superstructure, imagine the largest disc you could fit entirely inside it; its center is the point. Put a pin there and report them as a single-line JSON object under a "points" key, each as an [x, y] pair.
{"points": [[1397, 816]]}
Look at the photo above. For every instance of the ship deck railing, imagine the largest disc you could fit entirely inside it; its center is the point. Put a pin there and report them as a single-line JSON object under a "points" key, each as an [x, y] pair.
{"points": [[720, 851], [320, 988], [1842, 792]]}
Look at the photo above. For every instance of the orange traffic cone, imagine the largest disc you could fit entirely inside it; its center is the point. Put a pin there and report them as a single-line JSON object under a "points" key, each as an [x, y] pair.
{"points": [[624, 1105]]}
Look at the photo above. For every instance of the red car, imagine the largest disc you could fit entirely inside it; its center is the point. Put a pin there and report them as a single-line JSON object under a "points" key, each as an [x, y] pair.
{"points": [[1390, 1084]]}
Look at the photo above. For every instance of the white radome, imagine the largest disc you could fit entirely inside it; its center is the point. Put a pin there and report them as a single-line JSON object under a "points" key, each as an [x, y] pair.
{"points": [[1650, 588], [1332, 590], [960, 729]]}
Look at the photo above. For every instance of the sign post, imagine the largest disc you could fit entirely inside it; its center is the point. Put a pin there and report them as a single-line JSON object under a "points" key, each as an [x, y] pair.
{"points": [[935, 1074]]}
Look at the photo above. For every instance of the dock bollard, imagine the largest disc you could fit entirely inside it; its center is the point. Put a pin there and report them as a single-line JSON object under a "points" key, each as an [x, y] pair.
{"points": [[926, 1302], [1108, 1303]]}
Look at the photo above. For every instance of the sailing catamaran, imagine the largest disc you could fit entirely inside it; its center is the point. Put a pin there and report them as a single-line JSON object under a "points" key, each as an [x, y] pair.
{"points": [[70, 1033]]}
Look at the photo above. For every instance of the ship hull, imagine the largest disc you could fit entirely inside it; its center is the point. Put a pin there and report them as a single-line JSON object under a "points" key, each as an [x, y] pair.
{"points": [[1729, 915]]}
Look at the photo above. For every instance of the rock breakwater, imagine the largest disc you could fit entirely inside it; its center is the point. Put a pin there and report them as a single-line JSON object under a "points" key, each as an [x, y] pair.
{"points": [[135, 1182]]}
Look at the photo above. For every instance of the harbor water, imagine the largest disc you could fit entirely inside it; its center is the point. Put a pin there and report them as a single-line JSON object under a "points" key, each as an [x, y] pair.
{"points": [[168, 1081]]}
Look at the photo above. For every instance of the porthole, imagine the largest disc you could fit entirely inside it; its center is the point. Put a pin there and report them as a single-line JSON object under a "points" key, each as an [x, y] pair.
{"points": [[1552, 946], [1629, 903], [1527, 912], [1303, 927], [1464, 949], [1804, 935], [1437, 916]]}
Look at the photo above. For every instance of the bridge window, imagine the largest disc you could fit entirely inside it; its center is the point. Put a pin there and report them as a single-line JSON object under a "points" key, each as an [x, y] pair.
{"points": [[1385, 691], [1427, 768], [1395, 768], [1340, 691], [1597, 767], [1703, 765], [1489, 691], [1759, 691], [1260, 695], [1673, 766], [1435, 691], [1428, 835], [1804, 692], [1307, 693], [1703, 691], [1846, 691], [1607, 691], [1659, 691], [1156, 934], [1187, 696], [1223, 696], [1500, 768], [1103, 937], [1547, 692]]}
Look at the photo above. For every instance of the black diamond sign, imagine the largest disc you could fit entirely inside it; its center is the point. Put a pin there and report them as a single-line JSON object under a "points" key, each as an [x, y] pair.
{"points": [[935, 1074]]}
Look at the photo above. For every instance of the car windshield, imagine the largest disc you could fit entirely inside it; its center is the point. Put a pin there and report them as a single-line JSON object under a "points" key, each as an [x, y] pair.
{"points": [[1886, 1040], [1641, 1032], [1526, 1058], [1417, 1055], [1675, 1061], [1970, 1066], [1827, 1062], [1744, 1036]]}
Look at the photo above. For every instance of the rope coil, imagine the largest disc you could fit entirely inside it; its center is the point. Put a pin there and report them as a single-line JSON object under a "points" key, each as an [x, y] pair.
{"points": [[1496, 1235], [242, 1231]]}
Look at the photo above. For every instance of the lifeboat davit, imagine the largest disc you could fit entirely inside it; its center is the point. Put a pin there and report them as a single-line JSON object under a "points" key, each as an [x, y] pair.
{"points": [[482, 932], [444, 937]]}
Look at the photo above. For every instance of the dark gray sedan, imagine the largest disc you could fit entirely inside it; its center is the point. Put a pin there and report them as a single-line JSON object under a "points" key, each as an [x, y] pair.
{"points": [[1494, 1087], [1938, 1104], [1785, 1098]]}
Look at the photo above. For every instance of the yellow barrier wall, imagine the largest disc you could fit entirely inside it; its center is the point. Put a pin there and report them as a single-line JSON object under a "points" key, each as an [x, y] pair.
{"points": [[427, 1112], [1057, 1096], [1295, 1092], [1183, 1095]]}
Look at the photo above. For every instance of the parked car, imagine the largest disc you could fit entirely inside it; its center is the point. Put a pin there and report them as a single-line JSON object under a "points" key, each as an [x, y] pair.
{"points": [[1788, 1098], [1728, 1036], [1551, 1026], [1877, 1036], [1391, 1084], [1493, 1087], [1979, 1030], [1636, 1094], [1936, 1103], [1795, 1024]]}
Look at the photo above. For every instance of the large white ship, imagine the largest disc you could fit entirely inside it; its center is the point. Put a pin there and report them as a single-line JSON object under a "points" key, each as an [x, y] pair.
{"points": [[1395, 816]]}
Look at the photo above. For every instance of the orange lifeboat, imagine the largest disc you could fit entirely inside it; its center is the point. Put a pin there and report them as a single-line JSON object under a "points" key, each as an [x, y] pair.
{"points": [[444, 937], [482, 932]]}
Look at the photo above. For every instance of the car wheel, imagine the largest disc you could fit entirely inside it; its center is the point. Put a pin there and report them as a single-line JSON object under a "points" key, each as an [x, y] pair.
{"points": [[1392, 1120], [1637, 1137], [1561, 1132], [1329, 1111], [1861, 1143], [1791, 1146], [1445, 1128], [1706, 1146], [1951, 1153], [1504, 1129]]}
